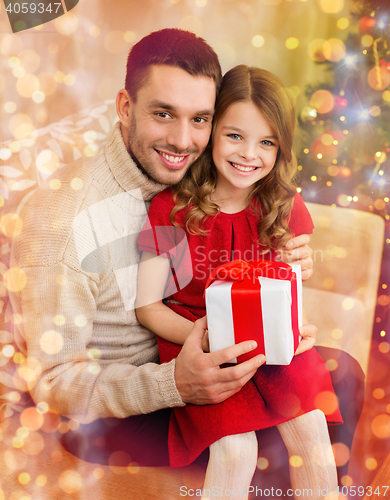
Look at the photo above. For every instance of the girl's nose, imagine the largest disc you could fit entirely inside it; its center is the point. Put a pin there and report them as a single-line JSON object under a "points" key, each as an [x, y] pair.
{"points": [[248, 154]]}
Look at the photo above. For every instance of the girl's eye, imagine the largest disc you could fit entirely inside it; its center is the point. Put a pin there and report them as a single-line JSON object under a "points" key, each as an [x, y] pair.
{"points": [[267, 143], [234, 136]]}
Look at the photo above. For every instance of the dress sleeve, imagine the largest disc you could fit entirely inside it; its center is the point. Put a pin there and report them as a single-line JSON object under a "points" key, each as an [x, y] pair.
{"points": [[158, 235], [300, 220]]}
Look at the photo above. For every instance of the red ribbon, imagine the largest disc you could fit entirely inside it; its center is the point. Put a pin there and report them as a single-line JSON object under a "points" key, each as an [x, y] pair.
{"points": [[246, 298]]}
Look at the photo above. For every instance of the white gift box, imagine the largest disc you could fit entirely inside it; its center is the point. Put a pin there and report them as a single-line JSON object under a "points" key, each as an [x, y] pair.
{"points": [[275, 338]]}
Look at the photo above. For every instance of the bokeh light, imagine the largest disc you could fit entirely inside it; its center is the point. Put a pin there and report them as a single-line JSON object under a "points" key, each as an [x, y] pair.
{"points": [[343, 23], [296, 461], [27, 85], [33, 443], [10, 107], [47, 83], [292, 43], [258, 41], [15, 279], [94, 31], [380, 426], [327, 402], [55, 184], [371, 463], [11, 225], [81, 320], [76, 183], [367, 40], [129, 36], [47, 162], [70, 481], [31, 419], [378, 393], [378, 78], [51, 342], [20, 125], [322, 101], [67, 25], [262, 463], [41, 480], [316, 50], [334, 49], [341, 454], [332, 6]]}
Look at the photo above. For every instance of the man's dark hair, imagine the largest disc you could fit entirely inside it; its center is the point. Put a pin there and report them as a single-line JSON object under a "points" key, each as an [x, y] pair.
{"points": [[172, 47]]}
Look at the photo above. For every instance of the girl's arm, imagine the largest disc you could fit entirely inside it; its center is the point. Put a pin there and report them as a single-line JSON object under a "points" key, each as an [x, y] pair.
{"points": [[151, 311]]}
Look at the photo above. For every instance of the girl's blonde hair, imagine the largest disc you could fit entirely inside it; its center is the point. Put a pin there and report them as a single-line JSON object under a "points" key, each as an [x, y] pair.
{"points": [[275, 191]]}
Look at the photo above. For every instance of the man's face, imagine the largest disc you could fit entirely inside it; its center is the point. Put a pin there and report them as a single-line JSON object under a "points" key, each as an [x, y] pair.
{"points": [[170, 123]]}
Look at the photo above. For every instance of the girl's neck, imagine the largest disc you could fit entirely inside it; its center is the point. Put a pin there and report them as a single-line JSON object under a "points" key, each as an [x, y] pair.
{"points": [[230, 201]]}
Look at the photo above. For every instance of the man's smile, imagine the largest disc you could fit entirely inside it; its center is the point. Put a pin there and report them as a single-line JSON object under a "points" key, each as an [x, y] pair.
{"points": [[171, 160]]}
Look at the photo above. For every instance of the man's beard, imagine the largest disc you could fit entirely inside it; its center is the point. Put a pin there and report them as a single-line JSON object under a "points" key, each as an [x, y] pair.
{"points": [[135, 160]]}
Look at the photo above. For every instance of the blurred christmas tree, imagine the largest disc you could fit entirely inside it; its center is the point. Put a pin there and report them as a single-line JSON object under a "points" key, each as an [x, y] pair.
{"points": [[345, 152], [345, 147]]}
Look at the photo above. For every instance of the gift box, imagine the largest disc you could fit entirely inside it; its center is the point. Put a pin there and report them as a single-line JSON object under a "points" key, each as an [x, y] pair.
{"points": [[259, 301]]}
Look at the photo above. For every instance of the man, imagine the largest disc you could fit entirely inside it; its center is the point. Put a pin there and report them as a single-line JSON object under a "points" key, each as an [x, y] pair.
{"points": [[92, 359]]}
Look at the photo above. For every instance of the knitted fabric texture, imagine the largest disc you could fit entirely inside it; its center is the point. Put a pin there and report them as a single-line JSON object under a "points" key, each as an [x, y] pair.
{"points": [[90, 356]]}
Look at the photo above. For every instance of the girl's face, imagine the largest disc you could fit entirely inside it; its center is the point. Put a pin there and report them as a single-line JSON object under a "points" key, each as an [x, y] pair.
{"points": [[245, 148]]}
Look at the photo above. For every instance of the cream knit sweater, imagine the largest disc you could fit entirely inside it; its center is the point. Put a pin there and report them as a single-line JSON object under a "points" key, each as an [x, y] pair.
{"points": [[89, 356]]}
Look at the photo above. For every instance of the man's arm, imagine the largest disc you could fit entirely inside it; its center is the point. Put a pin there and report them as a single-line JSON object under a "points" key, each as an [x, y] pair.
{"points": [[297, 251]]}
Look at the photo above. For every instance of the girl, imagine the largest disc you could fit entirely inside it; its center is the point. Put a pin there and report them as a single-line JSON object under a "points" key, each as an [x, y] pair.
{"points": [[237, 201]]}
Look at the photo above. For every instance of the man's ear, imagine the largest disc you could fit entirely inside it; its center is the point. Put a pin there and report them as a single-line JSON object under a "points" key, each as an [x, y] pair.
{"points": [[123, 107]]}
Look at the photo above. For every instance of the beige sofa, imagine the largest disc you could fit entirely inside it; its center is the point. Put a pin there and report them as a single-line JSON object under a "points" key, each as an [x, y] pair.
{"points": [[340, 299]]}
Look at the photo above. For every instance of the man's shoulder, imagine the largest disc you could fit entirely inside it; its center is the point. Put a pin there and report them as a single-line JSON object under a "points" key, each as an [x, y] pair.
{"points": [[47, 217]]}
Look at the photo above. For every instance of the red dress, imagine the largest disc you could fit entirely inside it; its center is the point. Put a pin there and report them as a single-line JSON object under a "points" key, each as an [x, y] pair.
{"points": [[276, 393]]}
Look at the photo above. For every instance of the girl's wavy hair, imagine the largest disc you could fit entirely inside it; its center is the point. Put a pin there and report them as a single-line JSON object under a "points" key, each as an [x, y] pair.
{"points": [[276, 190]]}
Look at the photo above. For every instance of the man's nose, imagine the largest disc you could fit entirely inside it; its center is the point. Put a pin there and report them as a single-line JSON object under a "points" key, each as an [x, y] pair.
{"points": [[180, 136]]}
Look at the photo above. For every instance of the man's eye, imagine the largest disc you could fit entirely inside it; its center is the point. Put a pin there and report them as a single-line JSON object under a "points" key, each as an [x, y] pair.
{"points": [[236, 137], [199, 119], [163, 114]]}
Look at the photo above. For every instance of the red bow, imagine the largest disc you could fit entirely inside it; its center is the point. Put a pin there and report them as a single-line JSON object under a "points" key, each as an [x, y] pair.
{"points": [[238, 270]]}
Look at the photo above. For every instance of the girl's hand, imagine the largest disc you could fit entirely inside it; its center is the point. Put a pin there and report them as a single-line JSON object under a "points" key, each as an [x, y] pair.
{"points": [[297, 251], [308, 334]]}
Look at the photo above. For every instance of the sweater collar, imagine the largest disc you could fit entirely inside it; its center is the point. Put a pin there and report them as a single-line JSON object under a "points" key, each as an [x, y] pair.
{"points": [[125, 171]]}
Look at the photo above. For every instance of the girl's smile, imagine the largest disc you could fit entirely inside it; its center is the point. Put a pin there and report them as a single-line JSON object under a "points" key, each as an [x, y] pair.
{"points": [[245, 149]]}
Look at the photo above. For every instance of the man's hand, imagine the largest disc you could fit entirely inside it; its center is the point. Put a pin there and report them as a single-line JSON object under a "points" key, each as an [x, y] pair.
{"points": [[297, 251], [200, 379]]}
